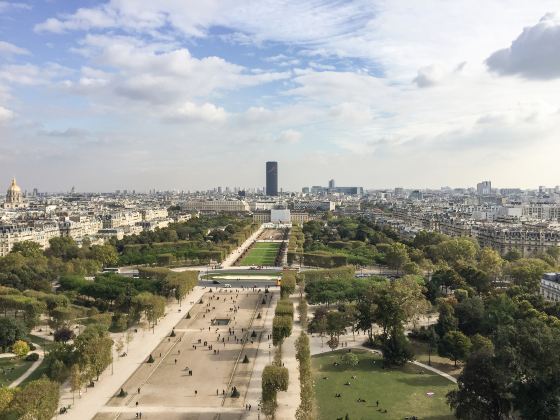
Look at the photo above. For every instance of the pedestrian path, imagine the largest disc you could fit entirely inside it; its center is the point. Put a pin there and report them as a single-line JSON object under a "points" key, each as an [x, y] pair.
{"points": [[264, 357], [32, 368], [141, 346], [433, 369], [288, 401]]}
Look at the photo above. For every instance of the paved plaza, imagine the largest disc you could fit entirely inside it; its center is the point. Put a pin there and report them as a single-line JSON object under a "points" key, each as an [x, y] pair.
{"points": [[194, 372]]}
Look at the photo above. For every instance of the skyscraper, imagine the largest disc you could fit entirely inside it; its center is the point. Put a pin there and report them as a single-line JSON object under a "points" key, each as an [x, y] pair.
{"points": [[484, 188], [272, 178], [331, 184]]}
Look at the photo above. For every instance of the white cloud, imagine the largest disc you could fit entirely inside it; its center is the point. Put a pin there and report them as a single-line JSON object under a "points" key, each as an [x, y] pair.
{"points": [[5, 114], [7, 48], [13, 5], [428, 76], [535, 54], [206, 112], [289, 136], [160, 75]]}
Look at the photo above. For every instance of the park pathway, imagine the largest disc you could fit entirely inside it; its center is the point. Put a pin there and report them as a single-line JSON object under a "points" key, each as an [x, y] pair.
{"points": [[433, 369], [142, 344], [288, 401], [32, 368], [236, 253], [264, 355]]}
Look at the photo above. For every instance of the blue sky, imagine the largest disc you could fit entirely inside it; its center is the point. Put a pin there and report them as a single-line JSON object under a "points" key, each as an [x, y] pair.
{"points": [[179, 94]]}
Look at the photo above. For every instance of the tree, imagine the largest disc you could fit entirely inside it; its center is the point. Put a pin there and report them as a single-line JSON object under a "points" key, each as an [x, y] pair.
{"points": [[336, 323], [274, 379], [482, 390], [396, 256], [6, 397], [20, 348], [481, 344], [63, 335], [396, 349], [11, 330], [454, 345], [446, 319], [37, 400], [94, 348], [458, 250], [350, 359], [527, 273], [106, 254], [281, 328], [470, 315], [28, 249], [76, 379], [63, 247], [432, 342], [491, 262]]}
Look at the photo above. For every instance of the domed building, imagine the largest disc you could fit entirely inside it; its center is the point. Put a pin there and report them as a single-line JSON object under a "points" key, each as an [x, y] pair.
{"points": [[14, 197]]}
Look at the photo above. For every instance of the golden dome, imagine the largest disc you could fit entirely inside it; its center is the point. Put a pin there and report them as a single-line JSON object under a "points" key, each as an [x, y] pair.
{"points": [[14, 187]]}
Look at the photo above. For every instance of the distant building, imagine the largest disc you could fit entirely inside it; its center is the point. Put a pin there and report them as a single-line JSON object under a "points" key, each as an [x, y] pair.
{"points": [[235, 206], [550, 286], [416, 195], [272, 179], [484, 188], [14, 197], [331, 184]]}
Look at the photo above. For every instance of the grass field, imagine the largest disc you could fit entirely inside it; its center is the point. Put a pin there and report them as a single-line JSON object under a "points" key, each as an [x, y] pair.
{"points": [[261, 253], [402, 392], [11, 369]]}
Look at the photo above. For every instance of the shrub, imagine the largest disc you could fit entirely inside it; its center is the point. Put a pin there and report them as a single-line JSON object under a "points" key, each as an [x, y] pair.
{"points": [[32, 357], [281, 328], [350, 359], [63, 334], [20, 348], [150, 359]]}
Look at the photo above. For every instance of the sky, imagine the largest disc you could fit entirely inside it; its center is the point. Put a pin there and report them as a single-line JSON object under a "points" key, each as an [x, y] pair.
{"points": [[190, 94]]}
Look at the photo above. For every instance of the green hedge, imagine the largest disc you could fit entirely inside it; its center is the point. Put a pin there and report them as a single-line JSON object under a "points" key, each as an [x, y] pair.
{"points": [[324, 260]]}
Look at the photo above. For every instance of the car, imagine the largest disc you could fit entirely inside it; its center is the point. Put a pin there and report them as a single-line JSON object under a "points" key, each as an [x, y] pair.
{"points": [[227, 286], [215, 282]]}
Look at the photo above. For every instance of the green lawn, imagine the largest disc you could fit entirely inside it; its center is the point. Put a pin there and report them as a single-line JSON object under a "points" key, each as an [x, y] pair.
{"points": [[11, 369], [402, 392], [261, 253]]}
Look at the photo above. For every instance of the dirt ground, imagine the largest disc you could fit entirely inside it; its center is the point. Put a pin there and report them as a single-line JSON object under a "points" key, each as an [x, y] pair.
{"points": [[271, 235], [194, 372]]}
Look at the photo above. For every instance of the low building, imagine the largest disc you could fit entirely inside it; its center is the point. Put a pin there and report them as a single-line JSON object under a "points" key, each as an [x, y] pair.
{"points": [[231, 206], [550, 286]]}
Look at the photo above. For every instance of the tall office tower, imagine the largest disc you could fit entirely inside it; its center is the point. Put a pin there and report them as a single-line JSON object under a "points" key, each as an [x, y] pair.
{"points": [[331, 184], [272, 178], [484, 188]]}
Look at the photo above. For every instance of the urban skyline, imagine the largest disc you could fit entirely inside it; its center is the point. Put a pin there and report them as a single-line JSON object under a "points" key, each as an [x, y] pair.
{"points": [[158, 104]]}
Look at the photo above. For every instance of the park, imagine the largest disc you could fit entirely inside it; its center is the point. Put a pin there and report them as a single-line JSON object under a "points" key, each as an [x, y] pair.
{"points": [[368, 391]]}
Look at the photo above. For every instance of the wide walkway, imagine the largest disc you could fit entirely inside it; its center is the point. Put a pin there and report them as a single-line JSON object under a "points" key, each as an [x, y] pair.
{"points": [[288, 401], [110, 381], [264, 356]]}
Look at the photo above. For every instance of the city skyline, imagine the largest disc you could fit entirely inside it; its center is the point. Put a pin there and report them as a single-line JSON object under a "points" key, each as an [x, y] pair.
{"points": [[165, 95]]}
